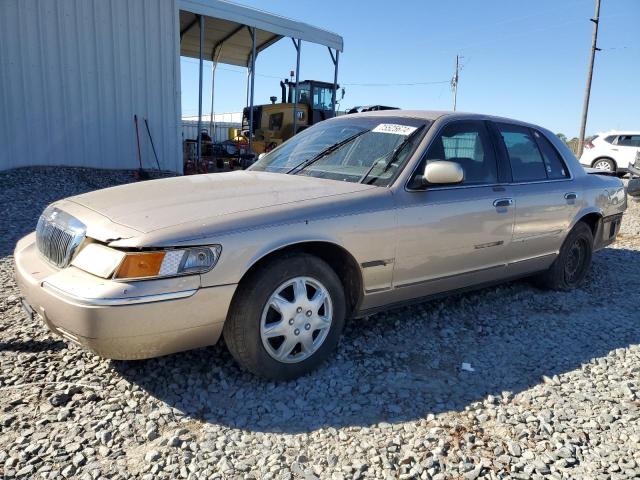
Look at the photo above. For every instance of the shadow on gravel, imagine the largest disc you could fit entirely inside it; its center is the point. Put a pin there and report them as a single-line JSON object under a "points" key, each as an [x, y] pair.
{"points": [[404, 364], [32, 346]]}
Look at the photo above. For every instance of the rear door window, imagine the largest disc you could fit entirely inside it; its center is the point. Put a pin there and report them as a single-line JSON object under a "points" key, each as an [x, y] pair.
{"points": [[553, 163], [527, 164], [629, 140]]}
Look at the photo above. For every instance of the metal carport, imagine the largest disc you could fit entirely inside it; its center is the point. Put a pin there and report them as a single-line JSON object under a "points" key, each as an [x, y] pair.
{"points": [[224, 32], [75, 73]]}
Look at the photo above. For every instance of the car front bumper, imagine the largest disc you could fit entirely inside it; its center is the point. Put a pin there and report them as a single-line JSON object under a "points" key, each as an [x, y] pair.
{"points": [[119, 320]]}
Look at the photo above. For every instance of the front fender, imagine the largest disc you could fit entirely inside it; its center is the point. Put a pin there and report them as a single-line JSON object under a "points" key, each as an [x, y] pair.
{"points": [[275, 246]]}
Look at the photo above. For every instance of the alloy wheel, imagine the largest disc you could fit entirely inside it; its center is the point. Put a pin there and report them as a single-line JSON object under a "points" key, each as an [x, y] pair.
{"points": [[603, 165]]}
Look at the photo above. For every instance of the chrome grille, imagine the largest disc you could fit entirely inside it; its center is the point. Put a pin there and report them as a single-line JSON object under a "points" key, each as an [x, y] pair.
{"points": [[58, 234]]}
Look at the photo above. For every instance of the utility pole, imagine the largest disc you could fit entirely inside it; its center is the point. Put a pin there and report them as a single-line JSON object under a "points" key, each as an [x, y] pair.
{"points": [[454, 83], [587, 93]]}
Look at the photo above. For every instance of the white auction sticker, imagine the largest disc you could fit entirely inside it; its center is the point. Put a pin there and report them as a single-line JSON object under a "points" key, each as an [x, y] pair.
{"points": [[395, 129]]}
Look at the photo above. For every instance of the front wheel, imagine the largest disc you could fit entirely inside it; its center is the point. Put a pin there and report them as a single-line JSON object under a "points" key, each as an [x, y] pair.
{"points": [[573, 262], [287, 317]]}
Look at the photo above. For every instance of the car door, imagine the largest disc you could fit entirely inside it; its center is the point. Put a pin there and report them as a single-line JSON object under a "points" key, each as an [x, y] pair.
{"points": [[454, 236], [626, 149], [546, 200]]}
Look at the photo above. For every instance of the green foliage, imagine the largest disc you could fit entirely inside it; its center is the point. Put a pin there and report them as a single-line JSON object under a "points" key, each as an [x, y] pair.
{"points": [[562, 137], [573, 143]]}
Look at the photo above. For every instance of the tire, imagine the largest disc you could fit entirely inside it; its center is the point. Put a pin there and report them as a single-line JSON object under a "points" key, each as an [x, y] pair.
{"points": [[604, 164], [572, 264], [257, 317]]}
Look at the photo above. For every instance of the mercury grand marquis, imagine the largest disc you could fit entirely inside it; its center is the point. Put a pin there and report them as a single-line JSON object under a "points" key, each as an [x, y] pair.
{"points": [[356, 214]]}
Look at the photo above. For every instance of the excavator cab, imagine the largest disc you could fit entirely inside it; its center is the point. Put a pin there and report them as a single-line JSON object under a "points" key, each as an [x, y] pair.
{"points": [[273, 123], [316, 96]]}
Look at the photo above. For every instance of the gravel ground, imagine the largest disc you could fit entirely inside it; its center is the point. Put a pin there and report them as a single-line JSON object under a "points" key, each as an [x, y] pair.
{"points": [[554, 391]]}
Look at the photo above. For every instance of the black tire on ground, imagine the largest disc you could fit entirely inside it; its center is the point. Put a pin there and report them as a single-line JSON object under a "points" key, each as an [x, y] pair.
{"points": [[611, 164], [572, 264], [242, 327]]}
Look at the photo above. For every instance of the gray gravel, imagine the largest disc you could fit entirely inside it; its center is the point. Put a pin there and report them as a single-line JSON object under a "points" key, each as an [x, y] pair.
{"points": [[554, 391]]}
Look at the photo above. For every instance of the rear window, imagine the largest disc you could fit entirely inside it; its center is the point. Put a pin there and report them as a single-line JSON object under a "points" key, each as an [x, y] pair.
{"points": [[526, 161], [553, 163], [610, 138]]}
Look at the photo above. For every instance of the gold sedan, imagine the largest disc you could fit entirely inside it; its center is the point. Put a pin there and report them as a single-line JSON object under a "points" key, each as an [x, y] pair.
{"points": [[355, 214]]}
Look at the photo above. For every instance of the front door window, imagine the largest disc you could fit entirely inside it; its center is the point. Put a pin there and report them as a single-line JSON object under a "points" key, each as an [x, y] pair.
{"points": [[466, 143]]}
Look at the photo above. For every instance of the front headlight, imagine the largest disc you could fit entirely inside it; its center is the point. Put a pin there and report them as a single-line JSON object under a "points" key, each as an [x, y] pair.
{"points": [[108, 262]]}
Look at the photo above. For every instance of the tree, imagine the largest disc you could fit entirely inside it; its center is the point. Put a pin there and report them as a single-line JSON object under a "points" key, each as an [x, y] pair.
{"points": [[573, 145], [562, 137]]}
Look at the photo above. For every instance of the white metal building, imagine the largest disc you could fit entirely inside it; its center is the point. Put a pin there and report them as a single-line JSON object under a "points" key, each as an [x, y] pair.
{"points": [[74, 73]]}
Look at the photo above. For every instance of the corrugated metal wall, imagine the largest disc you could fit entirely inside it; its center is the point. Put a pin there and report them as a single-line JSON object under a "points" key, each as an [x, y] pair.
{"points": [[74, 72]]}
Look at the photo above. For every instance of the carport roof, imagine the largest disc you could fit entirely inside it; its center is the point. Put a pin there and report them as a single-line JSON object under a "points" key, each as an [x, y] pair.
{"points": [[226, 31]]}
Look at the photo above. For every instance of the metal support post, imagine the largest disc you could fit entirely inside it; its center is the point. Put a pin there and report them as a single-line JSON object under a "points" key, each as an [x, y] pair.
{"points": [[298, 46], [335, 60], [199, 151], [253, 78], [213, 85]]}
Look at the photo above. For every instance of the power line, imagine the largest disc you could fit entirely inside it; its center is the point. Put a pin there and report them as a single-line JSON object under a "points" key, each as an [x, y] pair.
{"points": [[617, 48], [394, 84], [358, 84]]}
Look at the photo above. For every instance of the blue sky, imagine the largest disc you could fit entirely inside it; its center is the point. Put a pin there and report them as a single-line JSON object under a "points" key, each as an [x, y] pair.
{"points": [[521, 59]]}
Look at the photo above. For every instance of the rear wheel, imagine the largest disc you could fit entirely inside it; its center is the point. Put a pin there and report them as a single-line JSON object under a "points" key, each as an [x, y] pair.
{"points": [[604, 164], [287, 317], [572, 264]]}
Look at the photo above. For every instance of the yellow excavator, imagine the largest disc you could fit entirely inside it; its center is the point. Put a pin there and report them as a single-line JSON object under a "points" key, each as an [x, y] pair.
{"points": [[274, 123]]}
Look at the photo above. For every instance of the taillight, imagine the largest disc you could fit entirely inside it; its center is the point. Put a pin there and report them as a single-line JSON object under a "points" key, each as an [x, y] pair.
{"points": [[589, 144]]}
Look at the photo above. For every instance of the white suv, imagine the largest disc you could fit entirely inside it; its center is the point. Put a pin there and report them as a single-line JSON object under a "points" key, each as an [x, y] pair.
{"points": [[613, 151]]}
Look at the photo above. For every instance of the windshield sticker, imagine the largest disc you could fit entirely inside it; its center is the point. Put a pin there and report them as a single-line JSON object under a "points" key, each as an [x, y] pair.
{"points": [[395, 129]]}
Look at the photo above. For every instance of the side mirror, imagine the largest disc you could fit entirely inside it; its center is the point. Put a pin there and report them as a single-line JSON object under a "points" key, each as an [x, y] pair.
{"points": [[443, 172]]}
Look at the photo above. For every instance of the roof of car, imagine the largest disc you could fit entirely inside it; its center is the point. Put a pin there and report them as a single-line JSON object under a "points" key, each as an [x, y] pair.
{"points": [[619, 132], [422, 114], [434, 115]]}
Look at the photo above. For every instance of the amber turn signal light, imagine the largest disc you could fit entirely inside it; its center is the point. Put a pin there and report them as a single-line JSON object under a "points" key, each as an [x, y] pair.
{"points": [[140, 265]]}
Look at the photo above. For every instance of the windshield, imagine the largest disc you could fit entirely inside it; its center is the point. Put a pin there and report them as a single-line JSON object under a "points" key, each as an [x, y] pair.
{"points": [[371, 150]]}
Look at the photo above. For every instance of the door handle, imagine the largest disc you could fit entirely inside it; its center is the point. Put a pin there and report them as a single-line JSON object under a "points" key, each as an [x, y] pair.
{"points": [[570, 196], [503, 202]]}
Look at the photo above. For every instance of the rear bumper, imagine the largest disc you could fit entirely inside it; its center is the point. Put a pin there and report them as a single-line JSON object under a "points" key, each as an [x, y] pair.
{"points": [[633, 187], [121, 321], [607, 231]]}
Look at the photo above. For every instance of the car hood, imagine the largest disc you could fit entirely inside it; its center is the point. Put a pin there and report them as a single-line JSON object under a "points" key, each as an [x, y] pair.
{"points": [[156, 204]]}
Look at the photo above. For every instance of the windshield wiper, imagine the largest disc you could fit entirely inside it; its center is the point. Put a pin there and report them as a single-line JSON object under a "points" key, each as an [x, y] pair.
{"points": [[394, 155], [304, 164]]}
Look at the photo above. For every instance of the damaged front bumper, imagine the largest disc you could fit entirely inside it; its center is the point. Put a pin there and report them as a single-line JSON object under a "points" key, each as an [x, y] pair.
{"points": [[120, 320]]}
